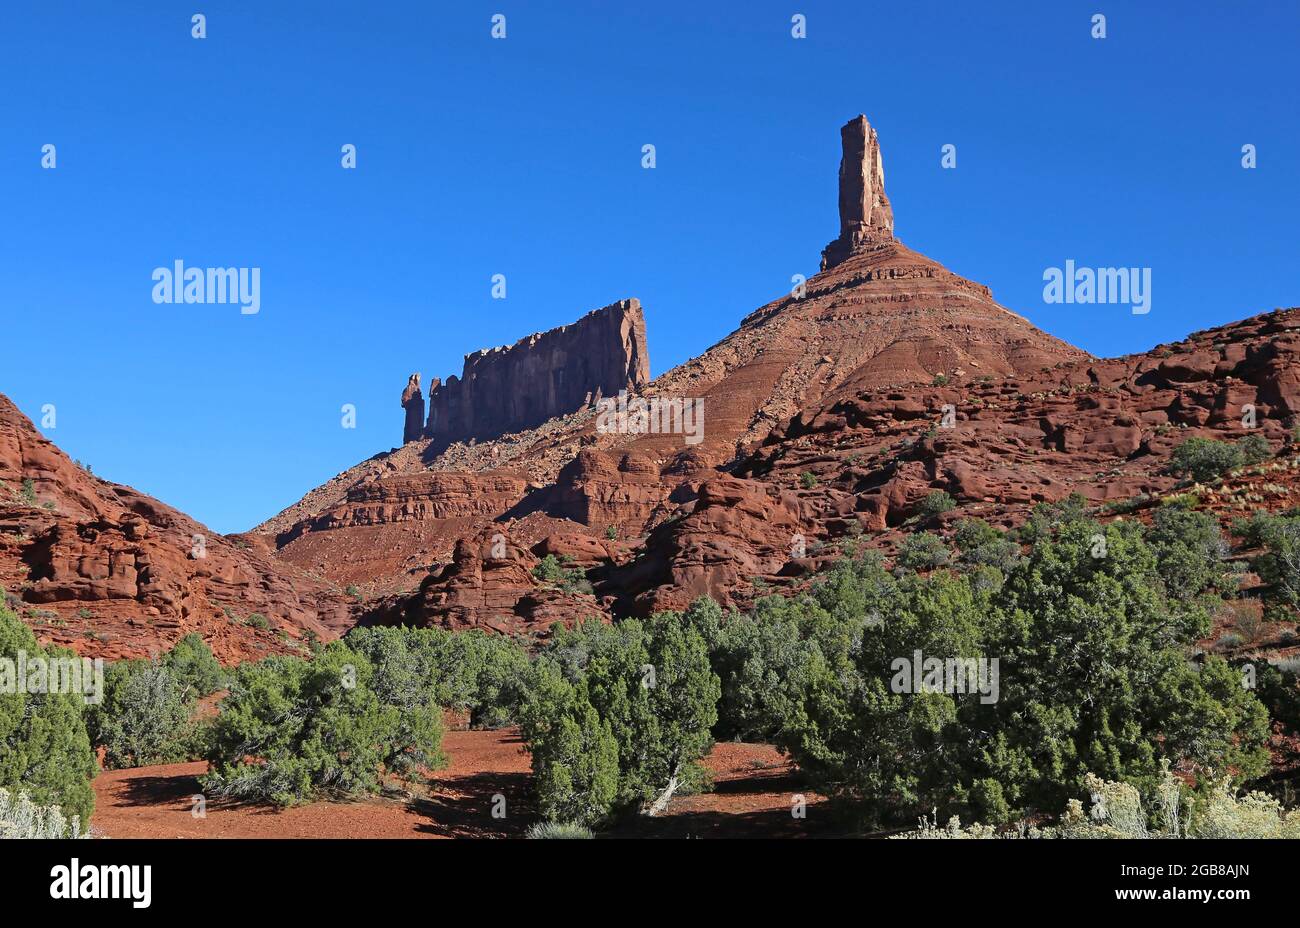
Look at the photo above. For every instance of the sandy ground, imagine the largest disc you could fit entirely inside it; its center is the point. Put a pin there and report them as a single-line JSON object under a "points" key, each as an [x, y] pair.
{"points": [[754, 793]]}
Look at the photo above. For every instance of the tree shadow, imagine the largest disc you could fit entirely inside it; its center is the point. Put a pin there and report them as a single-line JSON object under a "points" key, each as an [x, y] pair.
{"points": [[177, 788], [463, 806]]}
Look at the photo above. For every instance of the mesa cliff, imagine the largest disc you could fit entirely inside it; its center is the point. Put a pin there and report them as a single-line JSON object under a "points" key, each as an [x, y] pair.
{"points": [[548, 374]]}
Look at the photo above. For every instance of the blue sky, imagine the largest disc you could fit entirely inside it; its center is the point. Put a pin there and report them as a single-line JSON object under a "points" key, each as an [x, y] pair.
{"points": [[523, 157]]}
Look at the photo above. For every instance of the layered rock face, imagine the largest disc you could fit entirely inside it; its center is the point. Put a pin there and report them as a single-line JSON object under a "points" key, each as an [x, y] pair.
{"points": [[488, 584], [521, 386], [114, 573], [857, 464]]}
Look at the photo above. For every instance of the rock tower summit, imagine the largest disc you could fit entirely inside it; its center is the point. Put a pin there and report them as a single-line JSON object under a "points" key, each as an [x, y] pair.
{"points": [[866, 218]]}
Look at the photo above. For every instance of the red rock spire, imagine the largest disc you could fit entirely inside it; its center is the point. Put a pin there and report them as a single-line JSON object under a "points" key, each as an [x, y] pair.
{"points": [[865, 215], [413, 403]]}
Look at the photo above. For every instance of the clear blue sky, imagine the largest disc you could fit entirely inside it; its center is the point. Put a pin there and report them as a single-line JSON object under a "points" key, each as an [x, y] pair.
{"points": [[522, 157]]}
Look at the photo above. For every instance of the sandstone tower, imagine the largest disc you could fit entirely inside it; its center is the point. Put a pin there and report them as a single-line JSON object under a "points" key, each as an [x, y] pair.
{"points": [[413, 403], [866, 218]]}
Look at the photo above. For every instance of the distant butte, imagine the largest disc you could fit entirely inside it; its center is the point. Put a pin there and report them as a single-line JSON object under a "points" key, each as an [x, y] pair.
{"points": [[539, 377]]}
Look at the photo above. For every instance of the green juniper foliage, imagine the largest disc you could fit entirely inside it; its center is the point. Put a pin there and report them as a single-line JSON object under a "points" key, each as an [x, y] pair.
{"points": [[482, 674], [147, 714], [935, 503], [1093, 627], [292, 729], [619, 716], [44, 748], [1204, 459]]}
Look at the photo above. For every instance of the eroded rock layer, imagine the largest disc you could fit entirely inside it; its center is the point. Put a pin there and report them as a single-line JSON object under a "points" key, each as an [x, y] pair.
{"points": [[111, 572]]}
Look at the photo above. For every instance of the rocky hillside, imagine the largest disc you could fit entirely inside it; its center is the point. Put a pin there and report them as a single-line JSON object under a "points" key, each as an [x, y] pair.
{"points": [[111, 572], [878, 315]]}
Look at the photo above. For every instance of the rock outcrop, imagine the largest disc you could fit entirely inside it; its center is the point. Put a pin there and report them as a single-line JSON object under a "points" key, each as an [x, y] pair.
{"points": [[489, 585], [413, 404], [542, 376]]}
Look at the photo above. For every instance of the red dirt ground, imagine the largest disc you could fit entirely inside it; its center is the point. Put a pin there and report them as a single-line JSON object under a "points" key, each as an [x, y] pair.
{"points": [[754, 790]]}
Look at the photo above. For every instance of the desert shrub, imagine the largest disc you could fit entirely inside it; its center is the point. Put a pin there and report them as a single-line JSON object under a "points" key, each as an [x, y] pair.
{"points": [[28, 492], [293, 729], [1045, 518], [753, 656], [1204, 459], [1279, 566], [144, 717], [1123, 506], [1190, 552], [1102, 680], [257, 620], [496, 672], [1255, 449], [1103, 631], [1255, 530], [874, 749], [1248, 619], [982, 545], [558, 831], [1229, 642], [44, 749], [922, 551], [191, 661], [1118, 811], [808, 480], [648, 686], [935, 503], [476, 672], [1278, 687], [574, 753], [21, 818], [551, 569], [405, 677]]}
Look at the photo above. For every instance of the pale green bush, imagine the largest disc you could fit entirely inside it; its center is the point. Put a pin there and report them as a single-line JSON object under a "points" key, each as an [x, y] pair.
{"points": [[22, 818], [1117, 812], [558, 830]]}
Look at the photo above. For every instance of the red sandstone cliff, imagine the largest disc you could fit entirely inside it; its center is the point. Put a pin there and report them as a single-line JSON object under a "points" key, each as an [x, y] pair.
{"points": [[111, 572], [542, 376]]}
